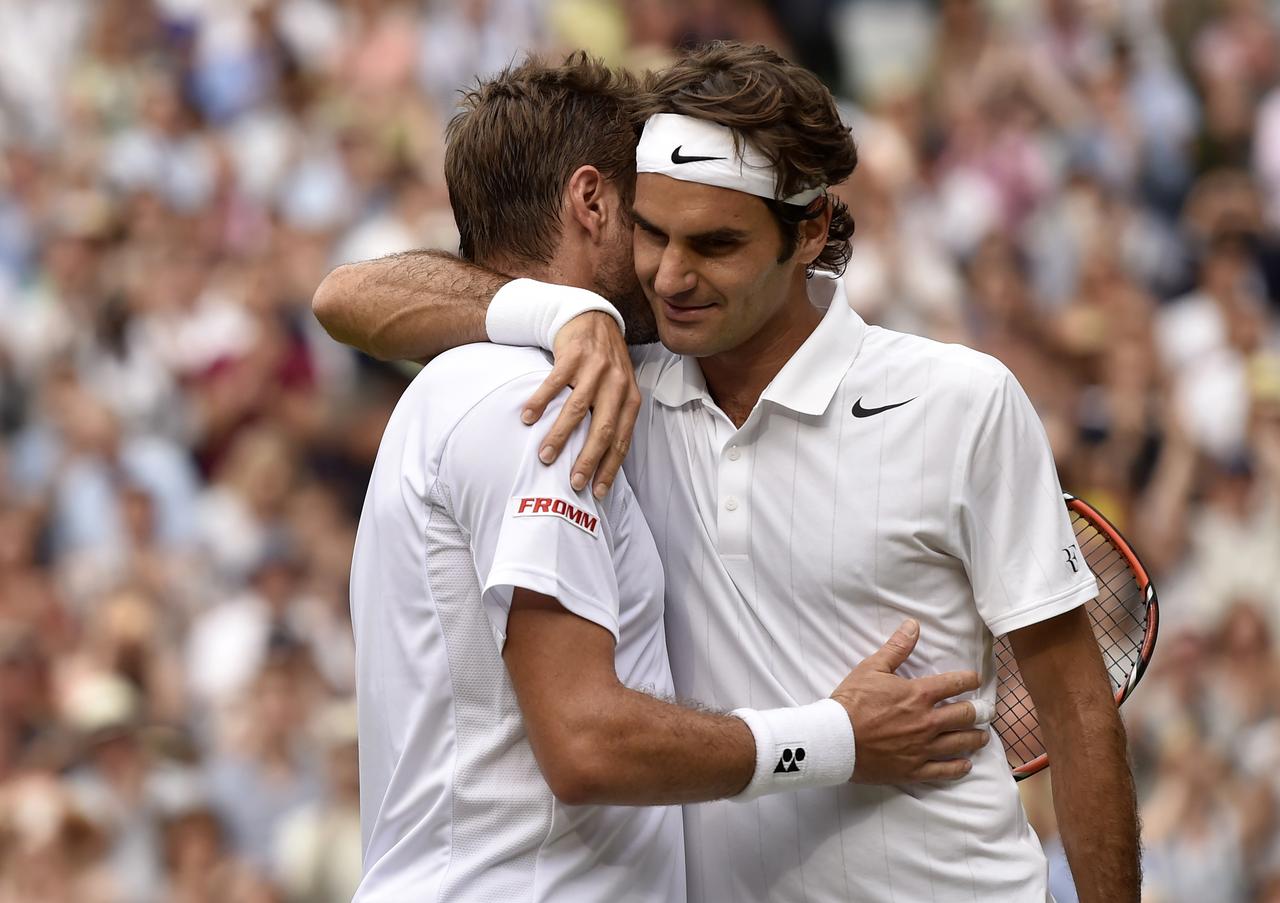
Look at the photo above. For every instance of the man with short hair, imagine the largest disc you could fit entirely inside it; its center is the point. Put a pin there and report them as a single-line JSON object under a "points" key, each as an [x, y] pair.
{"points": [[512, 675]]}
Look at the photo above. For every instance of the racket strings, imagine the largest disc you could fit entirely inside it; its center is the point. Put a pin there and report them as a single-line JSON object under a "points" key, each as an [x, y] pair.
{"points": [[1119, 619]]}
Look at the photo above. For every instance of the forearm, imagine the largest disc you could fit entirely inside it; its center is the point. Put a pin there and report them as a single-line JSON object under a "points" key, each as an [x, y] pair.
{"points": [[637, 750], [1094, 801], [1092, 787], [409, 306], [598, 742]]}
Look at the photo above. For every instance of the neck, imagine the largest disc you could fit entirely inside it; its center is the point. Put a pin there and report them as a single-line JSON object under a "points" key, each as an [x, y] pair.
{"points": [[736, 378], [565, 268]]}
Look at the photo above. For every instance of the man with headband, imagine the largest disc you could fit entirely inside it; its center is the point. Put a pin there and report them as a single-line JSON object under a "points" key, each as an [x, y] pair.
{"points": [[810, 480]]}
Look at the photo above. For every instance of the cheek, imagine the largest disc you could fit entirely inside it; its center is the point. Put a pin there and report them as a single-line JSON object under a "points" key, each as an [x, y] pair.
{"points": [[739, 280], [647, 257]]}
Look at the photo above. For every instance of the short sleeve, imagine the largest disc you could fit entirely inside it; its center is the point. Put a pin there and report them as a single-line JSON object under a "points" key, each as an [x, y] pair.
{"points": [[1016, 539], [528, 527]]}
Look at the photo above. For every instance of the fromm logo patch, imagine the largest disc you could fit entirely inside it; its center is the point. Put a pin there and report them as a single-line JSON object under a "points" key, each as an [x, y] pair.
{"points": [[533, 506]]}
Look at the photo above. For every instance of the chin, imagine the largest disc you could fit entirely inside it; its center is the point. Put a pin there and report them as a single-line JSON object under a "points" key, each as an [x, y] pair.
{"points": [[685, 341]]}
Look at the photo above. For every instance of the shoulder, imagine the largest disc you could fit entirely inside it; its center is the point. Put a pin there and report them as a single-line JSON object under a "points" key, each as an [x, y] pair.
{"points": [[476, 370], [457, 381], [951, 372], [482, 384]]}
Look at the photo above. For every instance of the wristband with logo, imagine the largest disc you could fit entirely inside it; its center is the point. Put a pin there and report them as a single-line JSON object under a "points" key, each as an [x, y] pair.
{"points": [[531, 313], [799, 747]]}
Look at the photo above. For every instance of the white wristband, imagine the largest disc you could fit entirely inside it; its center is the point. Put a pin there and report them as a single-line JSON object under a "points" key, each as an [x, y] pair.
{"points": [[530, 313], [803, 746]]}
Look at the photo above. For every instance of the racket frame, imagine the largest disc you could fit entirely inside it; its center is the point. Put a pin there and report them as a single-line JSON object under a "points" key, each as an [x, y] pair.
{"points": [[1097, 520]]}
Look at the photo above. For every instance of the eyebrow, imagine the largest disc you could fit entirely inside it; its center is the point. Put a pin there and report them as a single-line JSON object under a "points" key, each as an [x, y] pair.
{"points": [[725, 234]]}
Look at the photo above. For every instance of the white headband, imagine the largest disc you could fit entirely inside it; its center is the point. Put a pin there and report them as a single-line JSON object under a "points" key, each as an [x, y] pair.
{"points": [[696, 150]]}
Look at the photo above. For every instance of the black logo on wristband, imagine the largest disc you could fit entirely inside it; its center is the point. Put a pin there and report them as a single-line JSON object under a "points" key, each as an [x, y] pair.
{"points": [[789, 762]]}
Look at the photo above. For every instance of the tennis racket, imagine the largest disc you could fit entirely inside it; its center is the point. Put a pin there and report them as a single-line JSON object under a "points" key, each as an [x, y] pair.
{"points": [[1125, 618]]}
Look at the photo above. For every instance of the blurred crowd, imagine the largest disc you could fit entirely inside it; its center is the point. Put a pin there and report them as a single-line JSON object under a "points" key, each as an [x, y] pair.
{"points": [[1087, 189]]}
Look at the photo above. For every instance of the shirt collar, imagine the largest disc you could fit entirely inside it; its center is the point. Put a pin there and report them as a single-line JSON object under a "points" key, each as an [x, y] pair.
{"points": [[681, 382], [806, 383]]}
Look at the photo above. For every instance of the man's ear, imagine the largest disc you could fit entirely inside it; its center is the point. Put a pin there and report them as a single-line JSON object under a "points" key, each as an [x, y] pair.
{"points": [[812, 235], [591, 200]]}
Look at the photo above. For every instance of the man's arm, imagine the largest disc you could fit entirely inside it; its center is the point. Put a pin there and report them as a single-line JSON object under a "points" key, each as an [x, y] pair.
{"points": [[1093, 794], [409, 306], [598, 742], [416, 305]]}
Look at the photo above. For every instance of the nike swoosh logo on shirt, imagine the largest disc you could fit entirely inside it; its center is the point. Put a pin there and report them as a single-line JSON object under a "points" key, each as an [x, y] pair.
{"points": [[860, 411], [678, 159]]}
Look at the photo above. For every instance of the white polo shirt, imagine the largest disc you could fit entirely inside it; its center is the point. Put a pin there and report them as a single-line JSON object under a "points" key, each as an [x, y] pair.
{"points": [[880, 476], [458, 512]]}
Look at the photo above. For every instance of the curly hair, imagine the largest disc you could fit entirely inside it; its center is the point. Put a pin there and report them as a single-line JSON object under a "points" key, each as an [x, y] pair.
{"points": [[783, 110], [518, 138]]}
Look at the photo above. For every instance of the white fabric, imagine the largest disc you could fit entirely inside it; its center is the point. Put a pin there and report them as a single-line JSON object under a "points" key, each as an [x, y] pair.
{"points": [[794, 546], [669, 139], [453, 805], [1209, 375], [798, 747], [526, 312]]}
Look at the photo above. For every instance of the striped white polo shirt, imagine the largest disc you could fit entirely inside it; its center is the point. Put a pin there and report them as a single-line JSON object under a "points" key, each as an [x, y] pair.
{"points": [[880, 476], [458, 512]]}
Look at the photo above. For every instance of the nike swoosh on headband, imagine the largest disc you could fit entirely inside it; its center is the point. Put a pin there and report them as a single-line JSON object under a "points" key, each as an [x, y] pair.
{"points": [[677, 158]]}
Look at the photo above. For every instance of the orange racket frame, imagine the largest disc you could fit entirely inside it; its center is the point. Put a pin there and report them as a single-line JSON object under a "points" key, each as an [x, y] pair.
{"points": [[1146, 648]]}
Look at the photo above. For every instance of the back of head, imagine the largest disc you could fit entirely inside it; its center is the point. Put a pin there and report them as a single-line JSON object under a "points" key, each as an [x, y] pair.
{"points": [[783, 110], [518, 139]]}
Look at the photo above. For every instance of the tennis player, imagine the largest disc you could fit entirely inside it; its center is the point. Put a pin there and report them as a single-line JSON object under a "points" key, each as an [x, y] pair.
{"points": [[816, 479], [510, 629]]}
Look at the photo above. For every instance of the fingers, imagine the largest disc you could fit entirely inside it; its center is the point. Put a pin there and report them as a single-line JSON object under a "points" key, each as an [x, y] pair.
{"points": [[613, 417], [592, 357], [958, 743], [954, 716], [947, 770], [600, 436], [937, 687], [556, 380], [612, 463], [897, 648], [575, 410]]}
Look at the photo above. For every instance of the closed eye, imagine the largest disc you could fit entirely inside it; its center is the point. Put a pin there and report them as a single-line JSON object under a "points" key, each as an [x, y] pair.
{"points": [[647, 227], [710, 247]]}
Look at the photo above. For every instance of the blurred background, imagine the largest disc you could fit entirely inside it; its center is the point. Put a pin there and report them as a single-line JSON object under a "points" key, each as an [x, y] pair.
{"points": [[1087, 189]]}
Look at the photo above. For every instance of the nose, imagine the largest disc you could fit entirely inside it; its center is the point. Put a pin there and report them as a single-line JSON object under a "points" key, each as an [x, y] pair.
{"points": [[674, 277]]}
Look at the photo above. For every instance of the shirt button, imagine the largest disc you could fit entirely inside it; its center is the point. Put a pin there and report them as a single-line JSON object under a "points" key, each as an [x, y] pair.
{"points": [[734, 453], [731, 504]]}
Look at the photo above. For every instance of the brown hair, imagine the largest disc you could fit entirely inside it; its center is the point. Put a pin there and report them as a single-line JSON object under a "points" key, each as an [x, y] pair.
{"points": [[517, 140], [782, 109]]}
